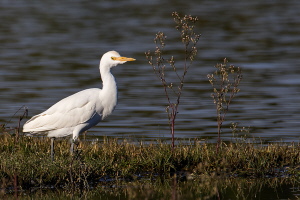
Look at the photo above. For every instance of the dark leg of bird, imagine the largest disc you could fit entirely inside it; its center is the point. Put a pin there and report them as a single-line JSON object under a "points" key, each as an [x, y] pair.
{"points": [[73, 143], [72, 147], [52, 149]]}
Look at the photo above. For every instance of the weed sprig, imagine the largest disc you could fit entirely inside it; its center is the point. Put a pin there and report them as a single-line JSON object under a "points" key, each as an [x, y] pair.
{"points": [[185, 25], [225, 81]]}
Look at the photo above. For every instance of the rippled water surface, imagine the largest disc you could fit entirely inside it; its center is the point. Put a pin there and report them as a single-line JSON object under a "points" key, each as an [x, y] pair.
{"points": [[51, 50]]}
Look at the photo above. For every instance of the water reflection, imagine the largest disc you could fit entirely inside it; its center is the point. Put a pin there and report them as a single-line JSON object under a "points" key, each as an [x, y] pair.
{"points": [[203, 188], [49, 51]]}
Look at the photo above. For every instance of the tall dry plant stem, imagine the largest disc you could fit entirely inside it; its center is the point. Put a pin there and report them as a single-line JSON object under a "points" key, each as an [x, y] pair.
{"points": [[225, 81], [173, 87]]}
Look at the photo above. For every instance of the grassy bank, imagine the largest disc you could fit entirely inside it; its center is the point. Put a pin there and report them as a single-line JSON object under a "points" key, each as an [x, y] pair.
{"points": [[25, 162]]}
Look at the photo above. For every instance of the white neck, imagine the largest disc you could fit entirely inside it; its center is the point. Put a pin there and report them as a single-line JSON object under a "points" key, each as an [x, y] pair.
{"points": [[109, 91], [108, 81]]}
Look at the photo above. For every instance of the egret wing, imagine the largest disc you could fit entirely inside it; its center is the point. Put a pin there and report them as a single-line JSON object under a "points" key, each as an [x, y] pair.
{"points": [[69, 112]]}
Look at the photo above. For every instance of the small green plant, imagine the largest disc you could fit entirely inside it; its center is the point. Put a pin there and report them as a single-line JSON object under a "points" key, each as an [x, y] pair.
{"points": [[162, 66], [225, 81]]}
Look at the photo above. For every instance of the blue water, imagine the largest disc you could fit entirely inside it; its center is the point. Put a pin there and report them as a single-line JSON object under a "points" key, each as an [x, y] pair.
{"points": [[49, 50]]}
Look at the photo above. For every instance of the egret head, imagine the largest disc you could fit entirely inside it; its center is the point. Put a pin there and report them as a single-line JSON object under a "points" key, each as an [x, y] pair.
{"points": [[113, 58]]}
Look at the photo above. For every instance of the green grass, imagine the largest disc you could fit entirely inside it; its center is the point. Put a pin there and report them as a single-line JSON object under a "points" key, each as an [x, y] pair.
{"points": [[26, 162]]}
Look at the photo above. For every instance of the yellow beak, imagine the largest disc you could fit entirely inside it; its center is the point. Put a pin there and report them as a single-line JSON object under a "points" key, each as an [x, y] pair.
{"points": [[124, 59]]}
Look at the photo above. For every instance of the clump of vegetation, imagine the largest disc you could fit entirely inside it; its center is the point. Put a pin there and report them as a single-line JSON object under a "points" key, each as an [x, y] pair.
{"points": [[225, 81], [26, 162], [163, 66]]}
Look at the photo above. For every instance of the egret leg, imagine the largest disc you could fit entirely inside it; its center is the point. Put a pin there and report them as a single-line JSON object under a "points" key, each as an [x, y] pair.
{"points": [[72, 147], [52, 149], [73, 142]]}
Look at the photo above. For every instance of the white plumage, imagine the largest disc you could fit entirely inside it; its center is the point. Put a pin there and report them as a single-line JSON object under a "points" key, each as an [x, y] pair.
{"points": [[83, 110]]}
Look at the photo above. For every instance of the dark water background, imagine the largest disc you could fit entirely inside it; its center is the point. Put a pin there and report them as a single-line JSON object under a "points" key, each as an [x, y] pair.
{"points": [[51, 49]]}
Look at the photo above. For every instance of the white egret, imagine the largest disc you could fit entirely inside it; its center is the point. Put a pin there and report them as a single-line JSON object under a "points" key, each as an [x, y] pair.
{"points": [[80, 111]]}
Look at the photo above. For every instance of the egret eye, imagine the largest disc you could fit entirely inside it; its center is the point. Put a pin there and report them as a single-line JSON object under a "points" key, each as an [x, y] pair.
{"points": [[113, 58]]}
